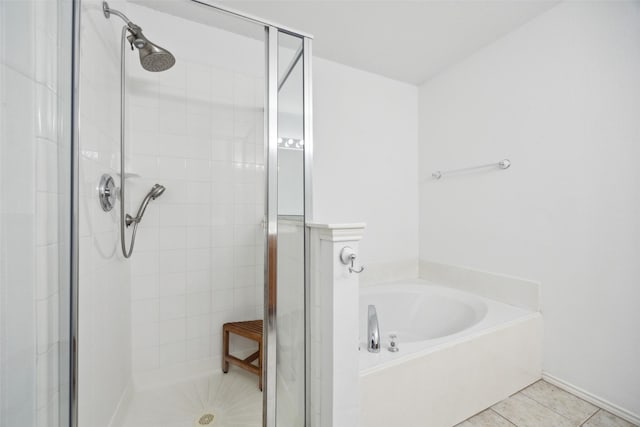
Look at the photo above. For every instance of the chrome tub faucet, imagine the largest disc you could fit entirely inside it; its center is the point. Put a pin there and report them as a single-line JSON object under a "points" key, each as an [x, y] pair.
{"points": [[373, 331]]}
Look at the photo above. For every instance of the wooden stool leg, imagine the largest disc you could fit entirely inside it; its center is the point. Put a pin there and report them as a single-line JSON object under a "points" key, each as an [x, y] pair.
{"points": [[225, 350], [260, 365]]}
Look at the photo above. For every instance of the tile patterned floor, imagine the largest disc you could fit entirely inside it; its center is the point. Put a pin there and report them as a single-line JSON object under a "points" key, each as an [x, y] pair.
{"points": [[233, 399], [544, 405]]}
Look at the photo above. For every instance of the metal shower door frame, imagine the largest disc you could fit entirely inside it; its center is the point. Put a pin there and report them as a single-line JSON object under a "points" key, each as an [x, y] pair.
{"points": [[271, 130]]}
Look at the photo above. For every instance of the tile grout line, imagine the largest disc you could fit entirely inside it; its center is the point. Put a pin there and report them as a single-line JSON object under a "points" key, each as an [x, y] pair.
{"points": [[591, 416], [501, 416], [556, 412]]}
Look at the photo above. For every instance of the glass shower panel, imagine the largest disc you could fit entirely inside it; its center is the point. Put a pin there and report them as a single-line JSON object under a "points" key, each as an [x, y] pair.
{"points": [[34, 211], [155, 319], [290, 349]]}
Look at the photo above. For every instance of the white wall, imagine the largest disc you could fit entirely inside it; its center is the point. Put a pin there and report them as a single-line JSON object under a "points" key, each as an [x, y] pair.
{"points": [[560, 98], [365, 168]]}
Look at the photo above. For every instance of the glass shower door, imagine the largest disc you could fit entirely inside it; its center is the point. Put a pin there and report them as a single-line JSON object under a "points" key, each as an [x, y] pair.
{"points": [[287, 210]]}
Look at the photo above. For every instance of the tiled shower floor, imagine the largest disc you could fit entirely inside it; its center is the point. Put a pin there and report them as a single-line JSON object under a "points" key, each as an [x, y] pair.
{"points": [[233, 399], [544, 405]]}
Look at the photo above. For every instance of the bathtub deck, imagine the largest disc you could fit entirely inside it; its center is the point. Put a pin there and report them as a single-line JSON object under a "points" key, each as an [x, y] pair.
{"points": [[543, 404]]}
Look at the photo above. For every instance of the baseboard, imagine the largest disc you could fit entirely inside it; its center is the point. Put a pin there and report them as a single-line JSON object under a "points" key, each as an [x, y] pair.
{"points": [[123, 406], [591, 398]]}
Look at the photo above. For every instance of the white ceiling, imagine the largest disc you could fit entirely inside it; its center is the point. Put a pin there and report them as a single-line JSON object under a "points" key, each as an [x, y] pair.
{"points": [[409, 41]]}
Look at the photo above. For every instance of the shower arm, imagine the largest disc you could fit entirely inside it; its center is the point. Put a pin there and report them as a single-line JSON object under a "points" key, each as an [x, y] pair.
{"points": [[107, 11]]}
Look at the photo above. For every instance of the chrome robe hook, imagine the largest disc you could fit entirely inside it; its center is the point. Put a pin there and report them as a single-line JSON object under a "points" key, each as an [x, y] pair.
{"points": [[348, 257]]}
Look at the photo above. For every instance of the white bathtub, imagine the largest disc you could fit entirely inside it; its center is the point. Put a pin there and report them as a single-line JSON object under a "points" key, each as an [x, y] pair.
{"points": [[459, 353]]}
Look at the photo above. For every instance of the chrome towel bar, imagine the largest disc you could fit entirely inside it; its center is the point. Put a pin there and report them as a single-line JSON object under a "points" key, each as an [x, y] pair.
{"points": [[502, 164]]}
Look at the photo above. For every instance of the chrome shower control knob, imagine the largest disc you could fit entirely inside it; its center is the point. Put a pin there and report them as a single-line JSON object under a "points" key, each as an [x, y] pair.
{"points": [[107, 192]]}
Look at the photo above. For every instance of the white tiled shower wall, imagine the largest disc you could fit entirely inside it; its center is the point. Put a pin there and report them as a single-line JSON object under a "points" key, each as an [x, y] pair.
{"points": [[104, 276], [197, 129], [29, 198]]}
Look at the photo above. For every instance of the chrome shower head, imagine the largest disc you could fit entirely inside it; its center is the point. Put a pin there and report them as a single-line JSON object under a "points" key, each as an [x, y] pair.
{"points": [[156, 191], [152, 57]]}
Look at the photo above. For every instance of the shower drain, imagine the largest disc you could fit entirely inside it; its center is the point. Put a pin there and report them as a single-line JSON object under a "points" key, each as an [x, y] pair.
{"points": [[205, 420]]}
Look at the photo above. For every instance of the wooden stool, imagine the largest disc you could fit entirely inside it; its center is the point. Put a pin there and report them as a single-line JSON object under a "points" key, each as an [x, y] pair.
{"points": [[252, 330]]}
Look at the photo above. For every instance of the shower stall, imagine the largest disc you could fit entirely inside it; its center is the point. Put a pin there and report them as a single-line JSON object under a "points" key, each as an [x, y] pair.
{"points": [[179, 142]]}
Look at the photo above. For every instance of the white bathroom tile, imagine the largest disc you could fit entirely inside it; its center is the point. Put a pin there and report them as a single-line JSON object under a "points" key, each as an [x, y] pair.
{"points": [[244, 255], [172, 114], [146, 358], [144, 311], [199, 304], [222, 151], [18, 54], [198, 169], [173, 261], [566, 404], [246, 295], [144, 287], [222, 300], [199, 125], [198, 216], [147, 236], [199, 193], [144, 143], [145, 334], [142, 118], [173, 284], [221, 214], [172, 353], [171, 215], [46, 271], [176, 76], [172, 330], [222, 172], [145, 165], [222, 236], [245, 193], [198, 259], [243, 90], [172, 167], [198, 326], [222, 86], [172, 307], [144, 264], [47, 166], [222, 277], [42, 328], [198, 348], [244, 276], [198, 281], [173, 238], [176, 194], [244, 234], [526, 412], [198, 237], [46, 126], [47, 218]]}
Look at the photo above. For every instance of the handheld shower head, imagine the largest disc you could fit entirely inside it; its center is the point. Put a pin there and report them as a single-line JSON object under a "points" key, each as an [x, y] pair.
{"points": [[155, 192]]}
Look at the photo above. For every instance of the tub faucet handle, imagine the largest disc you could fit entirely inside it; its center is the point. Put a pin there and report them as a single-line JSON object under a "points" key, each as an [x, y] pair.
{"points": [[393, 344]]}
